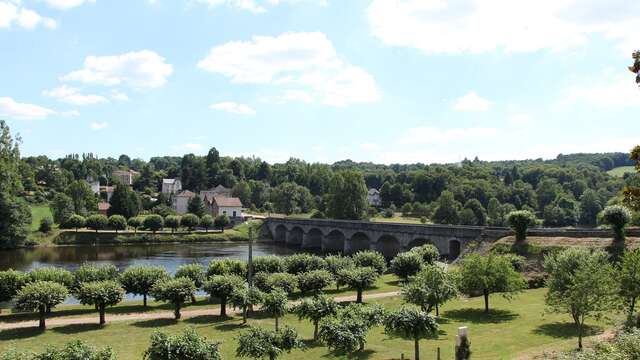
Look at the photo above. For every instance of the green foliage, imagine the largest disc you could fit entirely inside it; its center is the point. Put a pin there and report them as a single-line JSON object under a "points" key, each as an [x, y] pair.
{"points": [[245, 297], [359, 279], [269, 264], [346, 332], [91, 272], [10, 282], [75, 350], [75, 222], [563, 211], [82, 197], [221, 287], [447, 209], [190, 221], [258, 343], [276, 304], [117, 222], [290, 198], [431, 287], [428, 252], [187, 345], [520, 221], [590, 206], [153, 222], [58, 275], [618, 217], [135, 222], [46, 225], [269, 282], [347, 196], [406, 264], [372, 259], [125, 202], [227, 267], [195, 272], [196, 206], [316, 309], [62, 208], [300, 263], [221, 221], [485, 275], [97, 222], [479, 212], [15, 221], [411, 324], [337, 263], [207, 222], [100, 294], [630, 279], [40, 296], [580, 284], [467, 217], [172, 222], [174, 291], [140, 279], [317, 214], [314, 281]]}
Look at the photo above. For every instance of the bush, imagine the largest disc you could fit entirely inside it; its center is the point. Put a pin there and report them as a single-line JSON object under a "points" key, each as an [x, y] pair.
{"points": [[174, 291], [153, 222], [406, 264], [372, 259], [258, 343], [317, 214], [97, 222], [269, 264], [75, 222], [172, 222], [428, 252], [40, 296], [139, 280], [117, 222], [46, 225], [520, 221], [75, 350], [300, 263], [227, 267], [58, 275], [188, 345], [100, 294], [314, 281], [190, 221]]}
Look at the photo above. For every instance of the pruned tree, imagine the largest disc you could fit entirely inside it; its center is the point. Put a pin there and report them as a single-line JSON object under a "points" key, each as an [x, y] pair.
{"points": [[276, 304], [40, 296], [97, 222], [207, 222], [315, 309], [245, 298], [187, 345], [372, 259], [431, 287], [411, 324], [406, 264], [520, 221], [258, 343], [337, 263], [140, 279], [190, 221], [359, 279], [221, 287], [346, 332], [195, 272], [314, 281], [11, 281], [117, 222], [153, 222], [174, 291], [100, 294]]}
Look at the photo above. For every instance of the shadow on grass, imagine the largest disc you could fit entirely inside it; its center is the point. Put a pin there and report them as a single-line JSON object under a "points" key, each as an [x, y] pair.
{"points": [[231, 326], [18, 334], [76, 328], [364, 354], [566, 330], [208, 319], [154, 323], [478, 316]]}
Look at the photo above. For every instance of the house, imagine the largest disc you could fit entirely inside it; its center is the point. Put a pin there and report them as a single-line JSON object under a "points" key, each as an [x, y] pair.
{"points": [[230, 206], [373, 197], [124, 176], [106, 192], [181, 201], [103, 208], [171, 186], [216, 191], [94, 184]]}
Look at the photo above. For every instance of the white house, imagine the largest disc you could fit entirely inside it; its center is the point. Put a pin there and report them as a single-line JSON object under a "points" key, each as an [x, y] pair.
{"points": [[230, 206], [171, 186], [216, 191], [373, 197], [124, 176], [181, 201]]}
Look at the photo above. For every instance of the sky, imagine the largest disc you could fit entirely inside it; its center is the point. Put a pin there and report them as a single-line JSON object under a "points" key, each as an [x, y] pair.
{"points": [[386, 81]]}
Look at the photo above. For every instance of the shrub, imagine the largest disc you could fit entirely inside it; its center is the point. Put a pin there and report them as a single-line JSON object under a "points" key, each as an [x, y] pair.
{"points": [[174, 291], [117, 222], [190, 221], [46, 225], [100, 294], [314, 281], [227, 267], [372, 259], [300, 263], [40, 296], [75, 350], [618, 217], [97, 222], [188, 345], [317, 214], [406, 264], [520, 221], [140, 279], [153, 222]]}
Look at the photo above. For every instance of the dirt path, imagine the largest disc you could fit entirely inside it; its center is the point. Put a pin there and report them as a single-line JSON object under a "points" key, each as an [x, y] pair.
{"points": [[159, 315]]}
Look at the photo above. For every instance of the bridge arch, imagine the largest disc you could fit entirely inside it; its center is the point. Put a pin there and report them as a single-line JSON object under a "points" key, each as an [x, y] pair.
{"points": [[454, 249], [313, 239], [334, 242], [280, 234], [359, 241], [388, 245], [419, 241], [295, 236]]}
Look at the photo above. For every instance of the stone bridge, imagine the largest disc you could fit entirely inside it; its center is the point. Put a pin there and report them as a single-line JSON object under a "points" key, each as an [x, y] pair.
{"points": [[348, 237]]}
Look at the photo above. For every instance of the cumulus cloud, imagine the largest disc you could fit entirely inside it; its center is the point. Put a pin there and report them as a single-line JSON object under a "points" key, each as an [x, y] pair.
{"points": [[255, 6], [71, 95], [614, 92], [119, 96], [11, 13], [13, 109], [138, 69], [472, 102], [435, 135], [476, 26], [67, 4], [232, 107], [305, 65], [99, 125]]}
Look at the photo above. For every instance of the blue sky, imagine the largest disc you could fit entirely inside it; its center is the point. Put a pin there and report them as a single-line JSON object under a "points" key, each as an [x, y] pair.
{"points": [[388, 81]]}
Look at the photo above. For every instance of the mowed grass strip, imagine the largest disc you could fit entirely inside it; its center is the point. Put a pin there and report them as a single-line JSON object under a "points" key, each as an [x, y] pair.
{"points": [[38, 212], [511, 328]]}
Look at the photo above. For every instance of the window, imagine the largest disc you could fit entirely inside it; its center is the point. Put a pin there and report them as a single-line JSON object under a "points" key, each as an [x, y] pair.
{"points": [[234, 214]]}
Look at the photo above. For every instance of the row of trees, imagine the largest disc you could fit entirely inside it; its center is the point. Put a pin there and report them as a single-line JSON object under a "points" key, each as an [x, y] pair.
{"points": [[149, 222]]}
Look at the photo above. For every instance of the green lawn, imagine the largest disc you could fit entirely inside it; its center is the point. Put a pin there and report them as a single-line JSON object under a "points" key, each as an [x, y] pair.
{"points": [[37, 213], [512, 328], [398, 218], [621, 170]]}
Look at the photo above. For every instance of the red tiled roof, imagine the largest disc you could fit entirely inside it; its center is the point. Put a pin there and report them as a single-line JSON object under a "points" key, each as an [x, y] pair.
{"points": [[227, 201], [103, 206], [186, 193]]}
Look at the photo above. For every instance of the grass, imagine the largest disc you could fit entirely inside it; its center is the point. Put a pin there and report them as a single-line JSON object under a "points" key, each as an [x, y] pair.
{"points": [[38, 212], [398, 218], [621, 170], [511, 328]]}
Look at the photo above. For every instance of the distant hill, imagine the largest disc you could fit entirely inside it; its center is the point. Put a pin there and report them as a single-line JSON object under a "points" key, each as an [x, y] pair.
{"points": [[621, 170]]}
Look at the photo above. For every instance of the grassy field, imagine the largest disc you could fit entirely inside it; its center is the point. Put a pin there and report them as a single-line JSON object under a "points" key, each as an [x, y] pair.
{"points": [[620, 171], [37, 213], [398, 218], [510, 330]]}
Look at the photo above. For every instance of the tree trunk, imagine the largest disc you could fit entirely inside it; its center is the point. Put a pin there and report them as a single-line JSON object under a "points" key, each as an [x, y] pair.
{"points": [[580, 338], [177, 312], [359, 297], [244, 315], [42, 324], [486, 300], [437, 310], [193, 298], [277, 327], [144, 300], [102, 321], [272, 357], [223, 307], [632, 307], [315, 330], [361, 348], [416, 346]]}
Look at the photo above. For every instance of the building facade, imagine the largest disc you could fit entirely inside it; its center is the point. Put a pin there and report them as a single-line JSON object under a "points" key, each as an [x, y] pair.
{"points": [[171, 186]]}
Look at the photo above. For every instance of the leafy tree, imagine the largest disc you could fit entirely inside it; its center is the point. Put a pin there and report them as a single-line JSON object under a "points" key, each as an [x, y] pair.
{"points": [[172, 222], [15, 220], [195, 272], [431, 287], [347, 331], [407, 209], [245, 298], [282, 281], [125, 202], [447, 209], [406, 264], [227, 266], [10, 282], [289, 198], [117, 222], [221, 287], [316, 309], [630, 279], [75, 350], [411, 324], [91, 272], [242, 191], [40, 296], [276, 304], [100, 294], [221, 221], [467, 217], [140, 279], [196, 206], [76, 222], [590, 207], [336, 263], [563, 211], [258, 343], [190, 221], [484, 275], [580, 284], [188, 345], [193, 172], [207, 222], [46, 225], [153, 223], [314, 281], [478, 211], [520, 221], [618, 217], [347, 196], [135, 222], [61, 276], [428, 252], [495, 215], [97, 222], [300, 263], [359, 279], [62, 208], [82, 197], [269, 264], [372, 259], [174, 291]]}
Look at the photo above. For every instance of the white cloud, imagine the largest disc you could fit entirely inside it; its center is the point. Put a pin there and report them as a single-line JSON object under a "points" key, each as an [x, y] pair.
{"points": [[476, 26], [70, 113], [232, 107], [71, 95], [520, 119], [13, 109], [255, 6], [472, 102], [99, 125], [434, 135], [305, 65], [616, 92], [188, 147], [368, 146], [119, 96], [12, 13], [139, 69], [67, 4]]}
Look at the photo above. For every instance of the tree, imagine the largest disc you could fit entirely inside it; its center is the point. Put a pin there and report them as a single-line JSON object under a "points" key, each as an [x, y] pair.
{"points": [[428, 252], [174, 291], [124, 201], [46, 225], [172, 222], [100, 294], [447, 209], [117, 222], [140, 279], [74, 350], [195, 272], [206, 222], [590, 207], [412, 324], [630, 279], [153, 223], [406, 264], [227, 266], [372, 259], [336, 263], [62, 208], [520, 221], [347, 196], [245, 298], [478, 211], [282, 281], [257, 343], [97, 222], [11, 282], [316, 309], [76, 222], [300, 263], [618, 217], [40, 296], [188, 345], [193, 172], [431, 287], [82, 197], [289, 198], [484, 275], [90, 273], [276, 304], [221, 287], [135, 222], [221, 221], [314, 281], [580, 284], [269, 264], [61, 276], [196, 206], [347, 331], [359, 279], [190, 221], [467, 217]]}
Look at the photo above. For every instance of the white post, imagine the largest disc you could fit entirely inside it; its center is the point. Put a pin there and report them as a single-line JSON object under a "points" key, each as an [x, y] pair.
{"points": [[463, 332]]}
